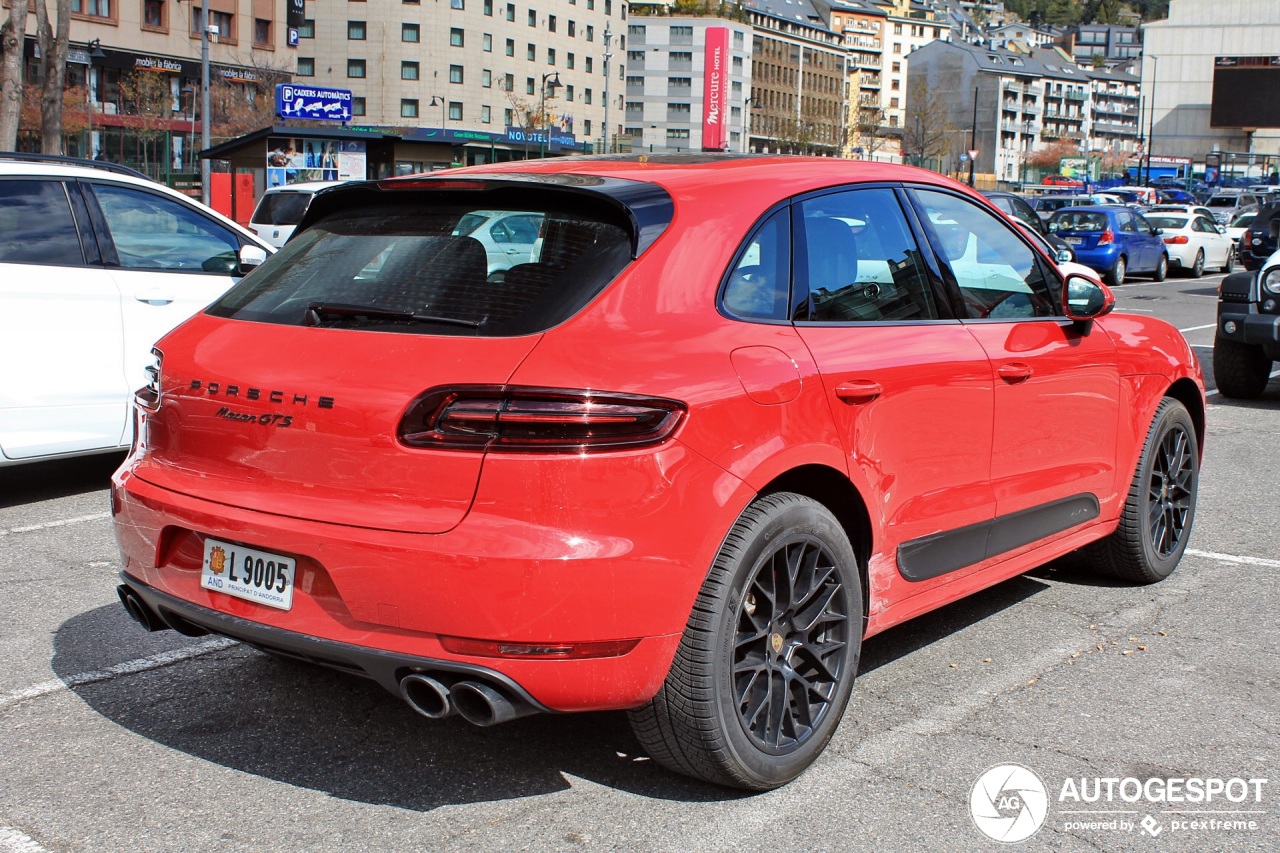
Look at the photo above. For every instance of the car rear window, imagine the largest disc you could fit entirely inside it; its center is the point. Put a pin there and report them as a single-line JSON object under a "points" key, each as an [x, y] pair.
{"points": [[1072, 220], [435, 265], [1222, 201], [281, 209], [1171, 222]]}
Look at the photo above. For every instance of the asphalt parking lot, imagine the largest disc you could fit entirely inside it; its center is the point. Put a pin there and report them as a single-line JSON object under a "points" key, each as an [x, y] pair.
{"points": [[114, 739]]}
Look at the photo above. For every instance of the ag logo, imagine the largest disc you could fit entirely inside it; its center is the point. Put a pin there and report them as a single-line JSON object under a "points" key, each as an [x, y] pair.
{"points": [[1008, 803], [217, 560]]}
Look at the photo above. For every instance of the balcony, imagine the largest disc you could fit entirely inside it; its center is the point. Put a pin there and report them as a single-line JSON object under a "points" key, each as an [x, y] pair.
{"points": [[1075, 94]]}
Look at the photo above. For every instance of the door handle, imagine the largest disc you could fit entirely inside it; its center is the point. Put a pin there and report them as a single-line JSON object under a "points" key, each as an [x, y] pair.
{"points": [[1014, 372], [153, 300], [859, 391]]}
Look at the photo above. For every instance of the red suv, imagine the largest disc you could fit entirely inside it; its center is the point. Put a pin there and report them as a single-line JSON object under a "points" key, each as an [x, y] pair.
{"points": [[724, 419]]}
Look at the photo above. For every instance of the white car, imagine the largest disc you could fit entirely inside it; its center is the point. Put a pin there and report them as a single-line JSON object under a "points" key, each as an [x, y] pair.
{"points": [[1194, 242], [281, 208], [1188, 209], [1239, 225], [97, 262], [508, 237]]}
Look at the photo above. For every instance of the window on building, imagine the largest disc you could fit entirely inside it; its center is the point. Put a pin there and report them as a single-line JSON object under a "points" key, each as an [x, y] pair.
{"points": [[893, 103], [455, 73], [153, 15], [408, 107], [508, 117], [531, 52], [737, 65], [528, 85], [591, 33], [551, 23], [588, 65], [455, 111], [509, 83], [307, 30], [356, 30], [586, 128], [568, 92], [224, 23], [634, 106], [355, 68], [681, 56], [102, 9], [358, 107], [635, 81], [457, 4], [682, 109], [635, 57], [586, 96], [408, 71], [486, 43], [679, 82], [897, 29], [306, 66], [511, 47], [533, 18], [637, 30], [488, 8], [677, 133], [457, 37], [680, 32], [262, 32], [511, 12], [410, 32], [573, 29], [486, 79], [568, 61], [484, 114], [551, 56]]}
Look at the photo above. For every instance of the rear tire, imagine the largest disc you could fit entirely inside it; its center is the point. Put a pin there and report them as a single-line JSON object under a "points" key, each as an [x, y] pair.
{"points": [[1162, 269], [1115, 277], [1197, 268], [1231, 261], [1240, 370], [768, 658], [1161, 507]]}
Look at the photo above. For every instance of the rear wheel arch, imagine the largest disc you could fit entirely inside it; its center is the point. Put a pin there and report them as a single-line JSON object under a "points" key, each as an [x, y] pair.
{"points": [[832, 489]]}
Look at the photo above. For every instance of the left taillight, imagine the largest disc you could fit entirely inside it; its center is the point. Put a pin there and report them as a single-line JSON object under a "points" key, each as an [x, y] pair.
{"points": [[538, 420], [1179, 240], [148, 396]]}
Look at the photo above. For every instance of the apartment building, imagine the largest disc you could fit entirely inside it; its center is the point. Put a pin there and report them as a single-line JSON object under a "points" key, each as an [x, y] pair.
{"points": [[117, 46], [687, 79], [912, 24], [496, 79], [862, 25]]}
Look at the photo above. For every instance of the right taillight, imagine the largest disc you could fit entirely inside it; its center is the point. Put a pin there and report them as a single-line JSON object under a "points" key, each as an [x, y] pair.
{"points": [[538, 420], [1179, 240], [1106, 237]]}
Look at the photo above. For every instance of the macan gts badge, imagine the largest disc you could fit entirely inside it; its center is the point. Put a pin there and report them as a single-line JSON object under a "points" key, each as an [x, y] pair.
{"points": [[675, 446]]}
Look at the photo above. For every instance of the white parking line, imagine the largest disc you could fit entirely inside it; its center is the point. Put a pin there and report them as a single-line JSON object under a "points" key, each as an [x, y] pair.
{"points": [[16, 841], [129, 667], [62, 522], [1198, 328], [1233, 558], [1215, 392]]}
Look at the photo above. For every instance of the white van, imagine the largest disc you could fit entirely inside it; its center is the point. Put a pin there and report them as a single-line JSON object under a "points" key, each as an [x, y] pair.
{"points": [[281, 208]]}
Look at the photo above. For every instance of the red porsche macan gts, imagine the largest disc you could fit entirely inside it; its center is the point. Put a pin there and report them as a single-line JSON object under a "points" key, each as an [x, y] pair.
{"points": [[669, 435]]}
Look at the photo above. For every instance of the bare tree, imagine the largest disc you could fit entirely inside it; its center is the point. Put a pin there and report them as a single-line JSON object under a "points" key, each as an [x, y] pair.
{"points": [[12, 37], [871, 131], [928, 133], [53, 72], [148, 101]]}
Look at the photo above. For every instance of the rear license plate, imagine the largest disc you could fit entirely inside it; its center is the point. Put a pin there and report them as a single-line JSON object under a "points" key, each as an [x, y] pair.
{"points": [[1075, 241], [248, 573]]}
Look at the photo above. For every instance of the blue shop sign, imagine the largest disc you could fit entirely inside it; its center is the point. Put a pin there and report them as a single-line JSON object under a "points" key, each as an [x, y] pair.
{"points": [[313, 102]]}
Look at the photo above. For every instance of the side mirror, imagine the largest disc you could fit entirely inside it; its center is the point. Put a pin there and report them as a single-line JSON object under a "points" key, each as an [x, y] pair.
{"points": [[1064, 256], [1084, 299], [250, 258]]}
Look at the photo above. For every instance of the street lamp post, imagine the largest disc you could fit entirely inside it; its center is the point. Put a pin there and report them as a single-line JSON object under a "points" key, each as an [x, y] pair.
{"points": [[437, 101], [94, 48], [190, 92], [747, 108], [204, 99], [608, 54], [550, 79]]}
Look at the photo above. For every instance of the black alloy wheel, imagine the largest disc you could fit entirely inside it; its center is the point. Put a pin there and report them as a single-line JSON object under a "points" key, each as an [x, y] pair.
{"points": [[1170, 492], [791, 627]]}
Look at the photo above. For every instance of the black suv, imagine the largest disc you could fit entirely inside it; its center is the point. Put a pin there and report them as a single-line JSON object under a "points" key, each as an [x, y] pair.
{"points": [[1248, 336], [1259, 242]]}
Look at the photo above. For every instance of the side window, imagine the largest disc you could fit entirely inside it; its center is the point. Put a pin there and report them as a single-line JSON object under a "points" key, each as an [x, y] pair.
{"points": [[1142, 225], [1021, 210], [153, 232], [1126, 222], [860, 262], [36, 225], [759, 283], [998, 274]]}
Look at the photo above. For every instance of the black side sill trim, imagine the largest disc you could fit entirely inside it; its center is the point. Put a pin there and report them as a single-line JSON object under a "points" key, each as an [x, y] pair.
{"points": [[380, 666], [941, 553]]}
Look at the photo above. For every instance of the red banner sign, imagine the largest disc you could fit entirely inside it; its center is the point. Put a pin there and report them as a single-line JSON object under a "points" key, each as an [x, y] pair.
{"points": [[715, 83]]}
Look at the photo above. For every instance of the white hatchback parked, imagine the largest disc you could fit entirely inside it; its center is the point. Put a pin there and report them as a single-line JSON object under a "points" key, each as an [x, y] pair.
{"points": [[97, 262]]}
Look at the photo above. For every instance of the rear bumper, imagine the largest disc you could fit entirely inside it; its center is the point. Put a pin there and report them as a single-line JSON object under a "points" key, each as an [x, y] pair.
{"points": [[626, 569]]}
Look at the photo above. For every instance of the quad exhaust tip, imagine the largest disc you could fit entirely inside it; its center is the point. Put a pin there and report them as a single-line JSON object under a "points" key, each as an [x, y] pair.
{"points": [[138, 610]]}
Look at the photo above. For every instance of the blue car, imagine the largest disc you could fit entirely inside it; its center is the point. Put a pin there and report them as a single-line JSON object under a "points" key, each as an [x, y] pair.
{"points": [[1112, 240]]}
